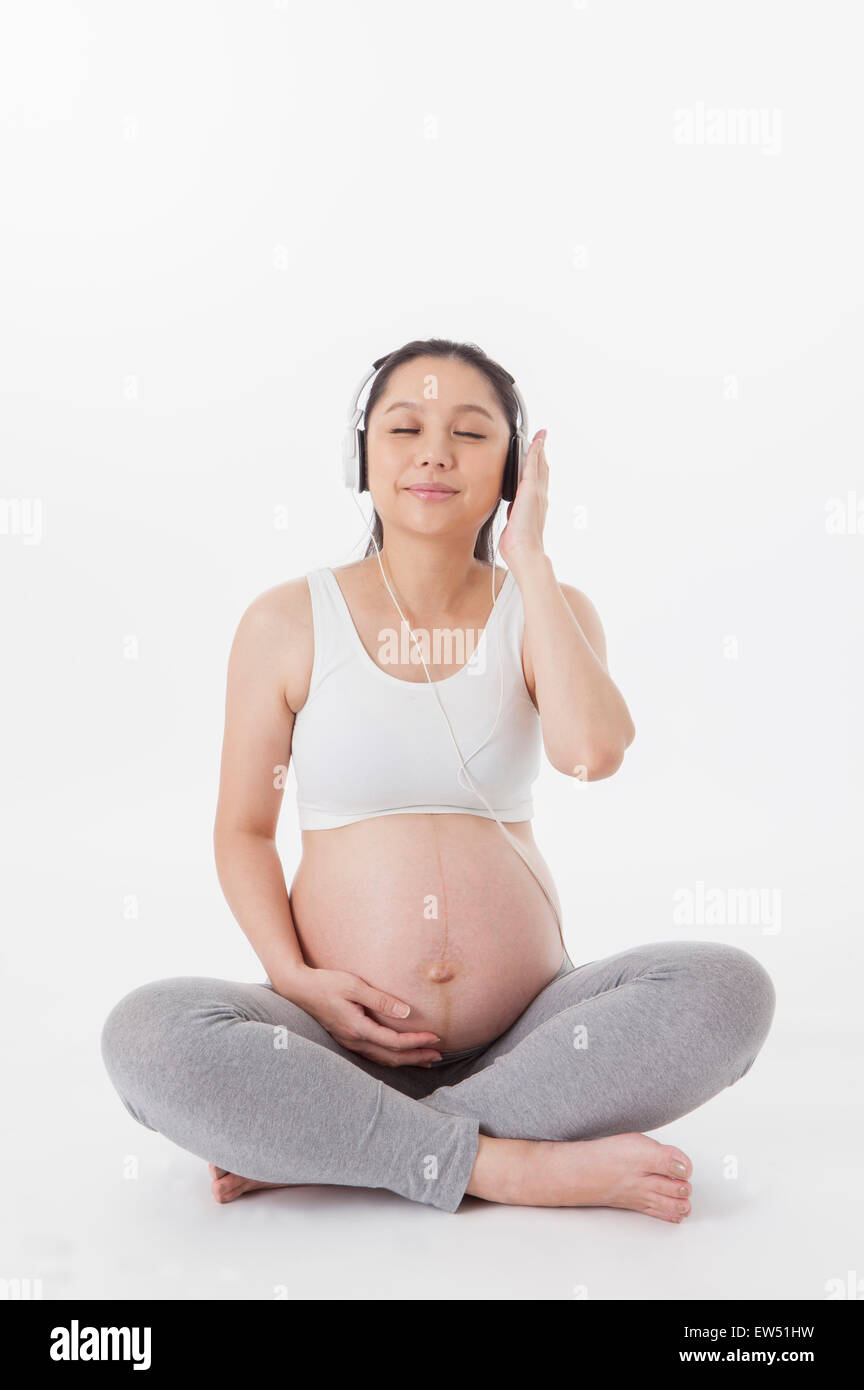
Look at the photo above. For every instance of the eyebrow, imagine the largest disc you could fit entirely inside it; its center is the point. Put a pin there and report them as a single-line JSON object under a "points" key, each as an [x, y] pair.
{"points": [[414, 405]]}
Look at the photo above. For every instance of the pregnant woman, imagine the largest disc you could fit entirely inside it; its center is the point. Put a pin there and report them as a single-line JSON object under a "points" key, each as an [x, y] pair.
{"points": [[422, 1027]]}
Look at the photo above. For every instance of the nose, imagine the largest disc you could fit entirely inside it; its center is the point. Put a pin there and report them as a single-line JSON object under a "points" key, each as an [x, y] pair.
{"points": [[436, 461], [438, 452]]}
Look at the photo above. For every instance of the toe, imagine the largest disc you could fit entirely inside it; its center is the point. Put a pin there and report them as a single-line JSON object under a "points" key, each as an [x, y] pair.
{"points": [[664, 1208], [677, 1163], [673, 1208], [672, 1187]]}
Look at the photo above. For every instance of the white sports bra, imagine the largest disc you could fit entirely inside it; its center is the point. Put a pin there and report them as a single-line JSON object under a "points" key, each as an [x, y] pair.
{"points": [[370, 744]]}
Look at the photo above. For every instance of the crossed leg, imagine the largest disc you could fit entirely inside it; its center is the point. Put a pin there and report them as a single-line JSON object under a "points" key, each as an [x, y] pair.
{"points": [[617, 1046], [629, 1042], [239, 1075]]}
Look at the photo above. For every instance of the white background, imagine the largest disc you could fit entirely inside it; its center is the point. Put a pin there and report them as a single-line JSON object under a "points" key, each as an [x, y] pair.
{"points": [[214, 217]]}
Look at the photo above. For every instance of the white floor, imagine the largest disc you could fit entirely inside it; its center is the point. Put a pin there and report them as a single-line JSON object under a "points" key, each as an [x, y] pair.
{"points": [[789, 1223], [786, 1226]]}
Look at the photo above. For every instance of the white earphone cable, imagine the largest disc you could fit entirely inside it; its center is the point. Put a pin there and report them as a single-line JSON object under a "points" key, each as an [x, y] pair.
{"points": [[462, 761]]}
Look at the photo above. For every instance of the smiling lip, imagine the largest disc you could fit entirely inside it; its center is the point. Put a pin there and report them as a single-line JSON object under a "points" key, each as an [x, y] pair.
{"points": [[430, 491]]}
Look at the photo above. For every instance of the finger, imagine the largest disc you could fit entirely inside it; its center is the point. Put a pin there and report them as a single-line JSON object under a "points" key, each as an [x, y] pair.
{"points": [[543, 475], [368, 1029], [387, 1058], [378, 1000], [531, 471]]}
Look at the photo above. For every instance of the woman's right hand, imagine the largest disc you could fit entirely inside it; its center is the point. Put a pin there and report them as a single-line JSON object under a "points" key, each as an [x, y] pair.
{"points": [[338, 1000]]}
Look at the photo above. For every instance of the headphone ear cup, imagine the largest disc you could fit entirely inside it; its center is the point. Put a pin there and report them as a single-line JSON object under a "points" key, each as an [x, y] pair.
{"points": [[511, 467], [362, 483]]}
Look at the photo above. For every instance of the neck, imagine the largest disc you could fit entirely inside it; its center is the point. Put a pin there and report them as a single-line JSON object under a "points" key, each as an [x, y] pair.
{"points": [[429, 574]]}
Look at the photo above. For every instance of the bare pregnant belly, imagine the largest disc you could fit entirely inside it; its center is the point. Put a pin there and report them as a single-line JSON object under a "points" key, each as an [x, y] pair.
{"points": [[436, 909]]}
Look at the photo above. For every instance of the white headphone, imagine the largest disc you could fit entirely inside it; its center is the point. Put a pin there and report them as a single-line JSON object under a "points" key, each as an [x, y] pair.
{"points": [[354, 443], [354, 477]]}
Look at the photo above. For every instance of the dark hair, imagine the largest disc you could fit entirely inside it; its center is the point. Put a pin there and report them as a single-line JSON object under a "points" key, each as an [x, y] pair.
{"points": [[501, 382]]}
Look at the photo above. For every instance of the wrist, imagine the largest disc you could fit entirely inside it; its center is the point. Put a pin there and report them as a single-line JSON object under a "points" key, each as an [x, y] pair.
{"points": [[528, 563], [290, 979]]}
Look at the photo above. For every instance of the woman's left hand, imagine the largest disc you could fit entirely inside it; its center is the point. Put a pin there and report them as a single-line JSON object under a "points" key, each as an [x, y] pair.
{"points": [[522, 537]]}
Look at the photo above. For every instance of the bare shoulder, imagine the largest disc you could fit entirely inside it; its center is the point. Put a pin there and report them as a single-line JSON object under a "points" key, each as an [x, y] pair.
{"points": [[276, 635]]}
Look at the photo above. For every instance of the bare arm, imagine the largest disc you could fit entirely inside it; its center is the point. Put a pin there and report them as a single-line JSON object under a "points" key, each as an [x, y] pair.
{"points": [[585, 722], [256, 749], [583, 716], [268, 679]]}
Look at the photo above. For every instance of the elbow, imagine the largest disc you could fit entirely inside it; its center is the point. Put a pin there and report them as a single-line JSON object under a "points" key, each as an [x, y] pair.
{"points": [[221, 846], [605, 764], [595, 764], [220, 834], [227, 835]]}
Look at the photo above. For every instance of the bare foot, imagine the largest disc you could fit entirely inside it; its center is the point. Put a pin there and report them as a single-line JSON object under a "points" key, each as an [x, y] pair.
{"points": [[226, 1186], [622, 1170]]}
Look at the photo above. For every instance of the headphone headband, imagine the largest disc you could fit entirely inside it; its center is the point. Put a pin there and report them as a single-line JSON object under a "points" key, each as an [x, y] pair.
{"points": [[354, 441]]}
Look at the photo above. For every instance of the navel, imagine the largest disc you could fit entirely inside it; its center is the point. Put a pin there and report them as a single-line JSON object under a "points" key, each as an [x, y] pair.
{"points": [[441, 972]]}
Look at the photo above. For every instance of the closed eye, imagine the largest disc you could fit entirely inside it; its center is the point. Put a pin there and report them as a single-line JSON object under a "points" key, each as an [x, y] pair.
{"points": [[467, 434]]}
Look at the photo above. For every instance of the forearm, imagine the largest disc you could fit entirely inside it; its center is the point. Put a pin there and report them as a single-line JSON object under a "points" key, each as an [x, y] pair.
{"points": [[584, 718], [251, 876]]}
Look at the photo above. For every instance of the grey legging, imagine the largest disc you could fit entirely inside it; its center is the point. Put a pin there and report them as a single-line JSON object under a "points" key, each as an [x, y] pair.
{"points": [[245, 1079]]}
